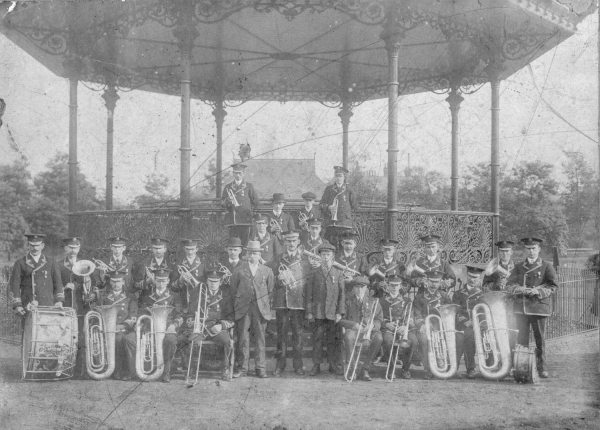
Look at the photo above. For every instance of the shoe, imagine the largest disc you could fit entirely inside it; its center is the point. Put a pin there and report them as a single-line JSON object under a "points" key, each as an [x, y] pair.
{"points": [[377, 360], [417, 363], [225, 375], [277, 372], [405, 374], [544, 374], [117, 376], [316, 370], [365, 376], [300, 371], [167, 377], [126, 378], [428, 376], [471, 374], [339, 370], [239, 374], [261, 374]]}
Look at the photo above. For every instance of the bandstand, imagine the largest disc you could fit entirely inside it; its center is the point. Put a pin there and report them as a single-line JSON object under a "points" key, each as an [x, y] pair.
{"points": [[339, 53]]}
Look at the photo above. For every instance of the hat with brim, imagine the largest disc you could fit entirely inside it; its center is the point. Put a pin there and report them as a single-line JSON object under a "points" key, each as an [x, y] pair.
{"points": [[238, 167], [434, 274], [189, 243], [253, 246], [161, 273], [314, 222], [309, 196], [291, 234], [531, 241], [430, 238], [396, 280], [158, 241], [72, 241], [388, 243], [348, 235], [359, 281], [35, 239], [234, 242], [117, 276], [213, 275], [504, 245], [261, 218], [117, 240], [325, 247], [340, 169], [474, 270], [278, 198]]}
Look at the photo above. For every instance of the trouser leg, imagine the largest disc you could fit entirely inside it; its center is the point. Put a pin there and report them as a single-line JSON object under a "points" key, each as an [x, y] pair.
{"points": [[283, 326], [258, 328], [349, 339], [332, 342], [423, 348], [120, 360], [80, 366], [538, 325], [469, 347], [129, 345], [460, 348], [407, 353], [169, 349], [388, 348], [224, 340], [318, 335], [296, 320], [522, 322], [374, 348], [243, 337]]}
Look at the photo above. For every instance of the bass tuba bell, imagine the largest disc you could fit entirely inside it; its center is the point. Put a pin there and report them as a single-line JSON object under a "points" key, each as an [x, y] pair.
{"points": [[84, 268], [99, 328], [441, 337], [149, 360]]}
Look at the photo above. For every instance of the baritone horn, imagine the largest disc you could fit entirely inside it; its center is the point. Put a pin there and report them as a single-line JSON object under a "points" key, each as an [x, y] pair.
{"points": [[442, 341], [490, 324], [232, 198], [149, 360], [226, 273], [84, 268]]}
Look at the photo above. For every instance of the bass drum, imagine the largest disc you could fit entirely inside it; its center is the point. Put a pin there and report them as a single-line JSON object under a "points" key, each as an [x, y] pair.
{"points": [[49, 344], [525, 364]]}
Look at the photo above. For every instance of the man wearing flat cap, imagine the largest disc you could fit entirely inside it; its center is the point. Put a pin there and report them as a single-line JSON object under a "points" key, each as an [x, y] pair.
{"points": [[35, 279], [143, 271], [350, 259], [279, 221], [241, 199], [308, 211], [388, 266], [187, 273], [292, 272], [117, 262], [532, 282], [313, 241], [432, 261], [496, 281], [269, 244], [467, 297]]}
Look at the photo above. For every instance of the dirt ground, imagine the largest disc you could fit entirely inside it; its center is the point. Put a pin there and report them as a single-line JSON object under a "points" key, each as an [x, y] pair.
{"points": [[570, 399]]}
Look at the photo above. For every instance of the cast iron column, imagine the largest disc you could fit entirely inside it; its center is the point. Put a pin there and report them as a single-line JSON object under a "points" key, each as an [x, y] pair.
{"points": [[495, 156], [110, 97], [345, 114], [73, 144], [219, 113], [454, 100]]}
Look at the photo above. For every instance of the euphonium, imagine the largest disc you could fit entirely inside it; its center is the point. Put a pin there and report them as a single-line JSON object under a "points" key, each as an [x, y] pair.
{"points": [[99, 331], [442, 342], [491, 338], [149, 361]]}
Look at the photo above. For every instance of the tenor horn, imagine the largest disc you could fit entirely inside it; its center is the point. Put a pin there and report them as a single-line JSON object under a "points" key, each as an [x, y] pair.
{"points": [[442, 341], [226, 273], [490, 324], [149, 360], [99, 328], [412, 267]]}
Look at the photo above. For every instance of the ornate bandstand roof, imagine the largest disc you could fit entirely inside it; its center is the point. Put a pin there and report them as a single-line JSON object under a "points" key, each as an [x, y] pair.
{"points": [[322, 50]]}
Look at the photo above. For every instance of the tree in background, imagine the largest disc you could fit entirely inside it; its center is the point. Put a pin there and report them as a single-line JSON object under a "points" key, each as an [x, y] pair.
{"points": [[427, 188], [156, 186], [205, 189], [365, 186], [15, 200]]}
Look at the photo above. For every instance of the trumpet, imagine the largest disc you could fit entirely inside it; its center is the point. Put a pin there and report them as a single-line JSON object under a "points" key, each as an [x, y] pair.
{"points": [[226, 273], [187, 275], [366, 327], [103, 266], [442, 342], [232, 198], [402, 343]]}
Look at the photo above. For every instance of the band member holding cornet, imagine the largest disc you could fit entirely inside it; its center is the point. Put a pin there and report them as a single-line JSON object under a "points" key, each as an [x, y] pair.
{"points": [[396, 309], [117, 262], [496, 281], [269, 244], [188, 272], [125, 341], [363, 317], [308, 211], [425, 303], [78, 295], [432, 261], [143, 276], [241, 199], [314, 240], [532, 283], [279, 221], [349, 258], [292, 272], [162, 296], [388, 266], [338, 202], [467, 297], [35, 279], [325, 305], [232, 261]]}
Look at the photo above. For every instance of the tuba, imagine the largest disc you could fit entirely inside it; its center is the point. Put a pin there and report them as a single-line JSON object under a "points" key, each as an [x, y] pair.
{"points": [[99, 327], [490, 324], [149, 361], [442, 342]]}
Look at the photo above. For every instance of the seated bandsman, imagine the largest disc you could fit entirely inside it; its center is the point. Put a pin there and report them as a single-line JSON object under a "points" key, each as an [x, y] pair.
{"points": [[467, 297], [532, 283], [125, 341], [325, 305], [279, 221], [497, 280], [269, 244], [117, 262], [396, 311], [349, 258], [218, 319], [162, 296], [388, 266], [432, 261], [185, 278], [314, 240], [360, 307], [229, 264], [143, 276], [309, 211], [425, 303]]}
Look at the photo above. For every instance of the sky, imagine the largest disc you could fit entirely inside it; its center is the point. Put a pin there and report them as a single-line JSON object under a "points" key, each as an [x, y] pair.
{"points": [[147, 125]]}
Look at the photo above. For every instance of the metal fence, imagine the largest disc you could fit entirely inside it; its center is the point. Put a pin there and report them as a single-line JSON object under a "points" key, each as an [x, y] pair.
{"points": [[10, 324]]}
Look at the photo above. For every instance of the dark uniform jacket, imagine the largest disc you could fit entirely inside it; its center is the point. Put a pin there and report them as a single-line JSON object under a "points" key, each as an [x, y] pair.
{"points": [[466, 300], [219, 308], [291, 295], [358, 311], [493, 282], [395, 310], [231, 267], [315, 212], [312, 245], [167, 298], [540, 274], [347, 202], [393, 268], [177, 283], [270, 245], [246, 196], [425, 304], [325, 295], [448, 278], [127, 308], [125, 266], [67, 276], [247, 289], [356, 261], [140, 275], [43, 276]]}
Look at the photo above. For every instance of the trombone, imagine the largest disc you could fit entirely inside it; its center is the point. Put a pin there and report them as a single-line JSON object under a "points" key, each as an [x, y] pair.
{"points": [[366, 327], [402, 343], [199, 330]]}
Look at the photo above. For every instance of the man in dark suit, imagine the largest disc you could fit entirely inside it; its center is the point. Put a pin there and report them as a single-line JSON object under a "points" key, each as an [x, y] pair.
{"points": [[309, 211], [533, 282], [432, 262], [268, 242], [143, 277], [241, 199], [497, 281], [193, 272], [252, 287], [279, 221], [338, 199], [117, 262]]}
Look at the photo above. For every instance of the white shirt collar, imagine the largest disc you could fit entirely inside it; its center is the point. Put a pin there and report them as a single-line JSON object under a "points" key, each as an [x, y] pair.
{"points": [[431, 259], [35, 258]]}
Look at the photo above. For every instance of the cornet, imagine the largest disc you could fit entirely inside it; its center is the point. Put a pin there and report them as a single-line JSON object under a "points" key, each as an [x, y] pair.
{"points": [[275, 227], [348, 272], [187, 275], [334, 209], [232, 198], [103, 266], [315, 260], [302, 217]]}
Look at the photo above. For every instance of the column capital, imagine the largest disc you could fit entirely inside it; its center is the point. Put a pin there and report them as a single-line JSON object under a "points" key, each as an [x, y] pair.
{"points": [[493, 70], [219, 113], [185, 35], [392, 36], [454, 99], [345, 113], [110, 97]]}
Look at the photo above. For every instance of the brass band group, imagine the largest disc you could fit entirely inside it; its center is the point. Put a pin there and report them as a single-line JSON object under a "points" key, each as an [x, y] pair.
{"points": [[149, 319]]}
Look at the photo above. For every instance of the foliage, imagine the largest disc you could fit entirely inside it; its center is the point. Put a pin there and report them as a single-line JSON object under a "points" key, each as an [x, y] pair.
{"points": [[364, 185], [427, 188], [15, 198], [156, 186]]}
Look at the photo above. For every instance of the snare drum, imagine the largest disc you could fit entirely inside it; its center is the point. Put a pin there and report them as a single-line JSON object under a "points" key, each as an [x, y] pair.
{"points": [[525, 364], [49, 344]]}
